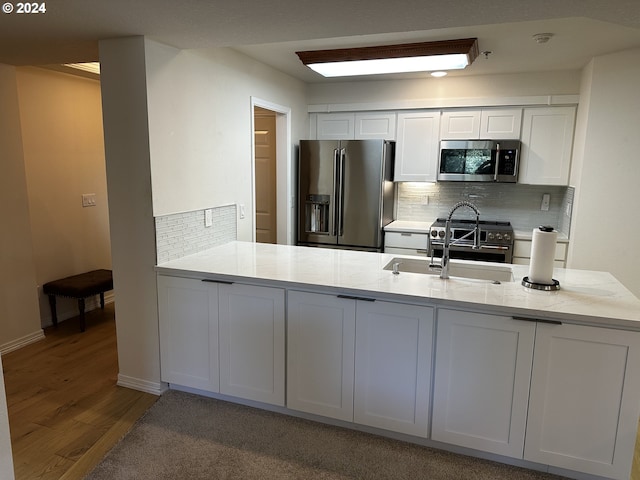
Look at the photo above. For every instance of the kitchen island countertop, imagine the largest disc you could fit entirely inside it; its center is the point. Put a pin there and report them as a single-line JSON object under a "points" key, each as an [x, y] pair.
{"points": [[585, 297]]}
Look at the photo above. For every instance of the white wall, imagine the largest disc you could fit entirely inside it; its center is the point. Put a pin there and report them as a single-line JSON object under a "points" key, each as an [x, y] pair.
{"points": [[605, 229], [61, 125], [200, 132], [126, 137], [19, 315]]}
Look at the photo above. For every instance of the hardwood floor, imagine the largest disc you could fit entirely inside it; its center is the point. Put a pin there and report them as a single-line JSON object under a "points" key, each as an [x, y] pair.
{"points": [[65, 410]]}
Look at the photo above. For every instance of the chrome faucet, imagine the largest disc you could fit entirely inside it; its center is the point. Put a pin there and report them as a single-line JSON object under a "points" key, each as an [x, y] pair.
{"points": [[444, 272]]}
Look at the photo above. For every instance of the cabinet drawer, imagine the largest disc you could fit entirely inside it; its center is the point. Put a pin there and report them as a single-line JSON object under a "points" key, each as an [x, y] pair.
{"points": [[522, 248], [406, 240]]}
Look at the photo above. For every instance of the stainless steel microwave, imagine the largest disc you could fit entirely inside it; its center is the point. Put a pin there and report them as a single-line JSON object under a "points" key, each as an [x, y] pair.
{"points": [[479, 160]]}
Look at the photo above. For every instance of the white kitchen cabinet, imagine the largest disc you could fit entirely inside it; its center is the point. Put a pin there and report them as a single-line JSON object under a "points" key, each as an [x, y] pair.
{"points": [[252, 342], [393, 366], [522, 253], [583, 409], [492, 124], [406, 243], [188, 322], [547, 142], [335, 126], [481, 384], [375, 125], [320, 361], [417, 146]]}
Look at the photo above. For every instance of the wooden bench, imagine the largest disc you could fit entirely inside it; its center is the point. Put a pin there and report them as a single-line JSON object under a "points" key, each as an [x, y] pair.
{"points": [[79, 286]]}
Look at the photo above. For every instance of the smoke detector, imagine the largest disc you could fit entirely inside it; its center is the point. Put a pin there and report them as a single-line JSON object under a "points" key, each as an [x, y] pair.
{"points": [[542, 37]]}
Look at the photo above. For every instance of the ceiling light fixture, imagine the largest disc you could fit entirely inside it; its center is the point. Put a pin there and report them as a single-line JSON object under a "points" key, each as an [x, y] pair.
{"points": [[439, 73], [410, 57]]}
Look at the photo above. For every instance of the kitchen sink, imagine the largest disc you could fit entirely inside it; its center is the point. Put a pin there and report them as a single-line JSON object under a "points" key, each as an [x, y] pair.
{"points": [[475, 270]]}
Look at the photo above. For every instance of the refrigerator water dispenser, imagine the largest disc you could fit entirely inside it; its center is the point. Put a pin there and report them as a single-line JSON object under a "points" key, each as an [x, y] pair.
{"points": [[317, 214]]}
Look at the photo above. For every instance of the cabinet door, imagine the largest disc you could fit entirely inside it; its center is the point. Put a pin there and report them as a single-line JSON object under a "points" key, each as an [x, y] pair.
{"points": [[585, 396], [481, 387], [417, 147], [320, 343], [252, 342], [460, 125], [375, 125], [393, 366], [188, 322], [335, 126], [501, 123], [547, 141]]}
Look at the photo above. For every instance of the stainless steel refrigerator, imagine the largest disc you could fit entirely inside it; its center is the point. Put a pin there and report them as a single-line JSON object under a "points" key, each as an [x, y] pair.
{"points": [[345, 193]]}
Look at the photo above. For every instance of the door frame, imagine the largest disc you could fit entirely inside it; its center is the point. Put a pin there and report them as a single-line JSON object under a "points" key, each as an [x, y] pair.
{"points": [[284, 171]]}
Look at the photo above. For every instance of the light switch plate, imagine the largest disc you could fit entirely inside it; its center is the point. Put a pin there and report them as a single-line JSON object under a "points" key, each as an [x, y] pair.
{"points": [[88, 199]]}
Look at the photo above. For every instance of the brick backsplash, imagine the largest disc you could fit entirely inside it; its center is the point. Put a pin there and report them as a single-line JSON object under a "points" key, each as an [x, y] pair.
{"points": [[518, 204], [183, 234]]}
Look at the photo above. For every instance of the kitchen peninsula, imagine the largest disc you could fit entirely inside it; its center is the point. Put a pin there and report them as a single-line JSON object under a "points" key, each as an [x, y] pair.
{"points": [[546, 380]]}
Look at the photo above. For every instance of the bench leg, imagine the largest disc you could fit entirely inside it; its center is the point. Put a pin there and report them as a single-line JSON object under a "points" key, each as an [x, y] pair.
{"points": [[54, 313], [81, 308], [102, 300]]}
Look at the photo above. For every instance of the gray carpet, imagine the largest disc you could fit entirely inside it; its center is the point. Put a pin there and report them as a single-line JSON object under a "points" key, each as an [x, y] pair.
{"points": [[185, 436]]}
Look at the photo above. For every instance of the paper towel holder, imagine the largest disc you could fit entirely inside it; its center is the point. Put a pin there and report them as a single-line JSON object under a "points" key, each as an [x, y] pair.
{"points": [[547, 287]]}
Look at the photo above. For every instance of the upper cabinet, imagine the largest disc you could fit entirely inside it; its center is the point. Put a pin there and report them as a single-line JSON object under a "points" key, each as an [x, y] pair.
{"points": [[492, 124], [417, 146], [547, 141], [354, 126]]}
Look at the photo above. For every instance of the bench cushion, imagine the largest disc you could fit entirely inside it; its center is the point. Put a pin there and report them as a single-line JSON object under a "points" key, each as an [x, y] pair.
{"points": [[80, 286]]}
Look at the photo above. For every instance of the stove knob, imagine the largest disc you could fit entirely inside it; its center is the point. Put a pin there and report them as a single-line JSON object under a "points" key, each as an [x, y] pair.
{"points": [[498, 236], [434, 233], [441, 233], [507, 237], [490, 236]]}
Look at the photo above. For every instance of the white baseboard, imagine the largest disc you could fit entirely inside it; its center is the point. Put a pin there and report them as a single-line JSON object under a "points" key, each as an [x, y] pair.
{"points": [[21, 342], [155, 388]]}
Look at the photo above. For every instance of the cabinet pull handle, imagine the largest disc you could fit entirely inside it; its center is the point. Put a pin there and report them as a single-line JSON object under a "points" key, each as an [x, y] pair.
{"points": [[539, 320], [351, 297], [208, 280]]}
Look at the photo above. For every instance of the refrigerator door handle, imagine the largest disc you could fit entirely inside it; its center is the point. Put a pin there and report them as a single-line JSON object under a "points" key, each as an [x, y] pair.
{"points": [[336, 191], [341, 193]]}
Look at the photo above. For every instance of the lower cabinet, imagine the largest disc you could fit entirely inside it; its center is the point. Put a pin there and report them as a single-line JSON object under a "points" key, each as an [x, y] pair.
{"points": [[393, 366], [226, 338], [583, 410], [359, 360], [252, 342], [481, 384], [188, 322], [320, 361]]}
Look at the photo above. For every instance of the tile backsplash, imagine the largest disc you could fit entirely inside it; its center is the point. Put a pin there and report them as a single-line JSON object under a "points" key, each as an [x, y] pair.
{"points": [[183, 234], [519, 204]]}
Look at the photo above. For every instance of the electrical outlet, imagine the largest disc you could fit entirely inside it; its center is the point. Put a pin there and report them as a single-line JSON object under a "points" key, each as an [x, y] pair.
{"points": [[88, 199], [568, 210], [546, 198], [425, 200], [208, 217]]}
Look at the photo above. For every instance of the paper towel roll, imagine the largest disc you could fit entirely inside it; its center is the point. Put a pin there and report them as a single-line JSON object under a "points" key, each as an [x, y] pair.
{"points": [[543, 249]]}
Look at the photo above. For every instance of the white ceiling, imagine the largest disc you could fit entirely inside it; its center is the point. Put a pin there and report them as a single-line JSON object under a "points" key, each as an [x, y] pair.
{"points": [[272, 30]]}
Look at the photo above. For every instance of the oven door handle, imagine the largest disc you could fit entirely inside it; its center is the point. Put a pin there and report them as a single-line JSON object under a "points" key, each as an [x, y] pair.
{"points": [[494, 247]]}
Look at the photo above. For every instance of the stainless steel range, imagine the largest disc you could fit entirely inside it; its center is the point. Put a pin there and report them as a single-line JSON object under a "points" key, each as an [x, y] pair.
{"points": [[495, 243]]}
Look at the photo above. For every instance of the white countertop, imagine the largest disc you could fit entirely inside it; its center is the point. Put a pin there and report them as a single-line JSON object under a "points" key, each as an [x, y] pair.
{"points": [[586, 297]]}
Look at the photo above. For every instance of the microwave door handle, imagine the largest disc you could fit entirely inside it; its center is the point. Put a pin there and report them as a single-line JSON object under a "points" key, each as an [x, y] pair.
{"points": [[495, 172]]}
